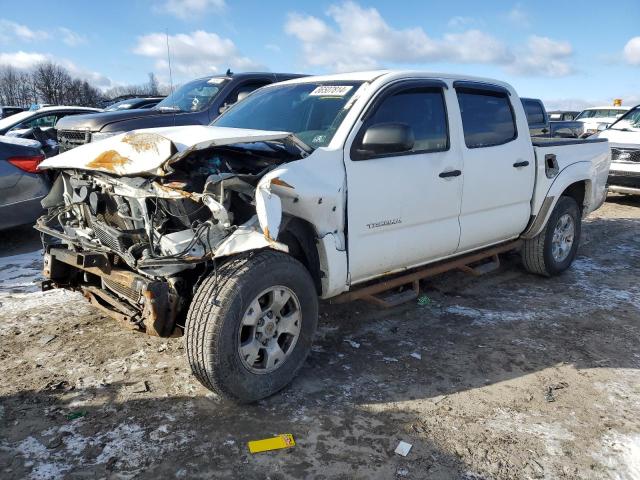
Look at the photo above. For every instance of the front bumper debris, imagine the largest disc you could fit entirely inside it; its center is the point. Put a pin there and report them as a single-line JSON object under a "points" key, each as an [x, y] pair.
{"points": [[136, 301]]}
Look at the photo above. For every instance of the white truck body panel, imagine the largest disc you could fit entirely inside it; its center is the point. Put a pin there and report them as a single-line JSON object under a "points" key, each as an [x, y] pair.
{"points": [[384, 215]]}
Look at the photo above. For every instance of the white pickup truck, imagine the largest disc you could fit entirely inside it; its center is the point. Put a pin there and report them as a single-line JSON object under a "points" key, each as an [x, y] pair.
{"points": [[315, 187]]}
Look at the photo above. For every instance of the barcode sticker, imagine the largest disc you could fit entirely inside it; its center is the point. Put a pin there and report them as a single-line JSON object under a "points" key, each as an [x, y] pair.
{"points": [[331, 91]]}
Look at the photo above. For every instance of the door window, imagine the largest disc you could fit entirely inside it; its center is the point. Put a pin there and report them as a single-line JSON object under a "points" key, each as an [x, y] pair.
{"points": [[422, 109], [41, 122], [487, 117]]}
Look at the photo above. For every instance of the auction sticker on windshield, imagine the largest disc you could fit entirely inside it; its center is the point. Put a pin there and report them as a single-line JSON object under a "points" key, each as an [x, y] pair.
{"points": [[331, 91]]}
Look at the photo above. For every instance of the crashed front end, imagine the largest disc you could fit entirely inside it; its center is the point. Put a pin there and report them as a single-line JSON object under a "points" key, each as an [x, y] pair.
{"points": [[135, 223]]}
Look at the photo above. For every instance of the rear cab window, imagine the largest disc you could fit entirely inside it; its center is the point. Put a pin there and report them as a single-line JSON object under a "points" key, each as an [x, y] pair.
{"points": [[534, 112], [487, 116]]}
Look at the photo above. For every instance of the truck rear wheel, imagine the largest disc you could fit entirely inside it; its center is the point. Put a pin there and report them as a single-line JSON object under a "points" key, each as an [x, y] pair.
{"points": [[552, 251], [250, 325]]}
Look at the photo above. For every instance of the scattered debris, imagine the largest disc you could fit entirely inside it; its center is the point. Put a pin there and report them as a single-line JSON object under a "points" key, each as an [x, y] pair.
{"points": [[47, 339], [423, 300], [416, 355], [58, 385], [389, 359], [353, 344], [284, 440], [140, 387], [549, 396], [403, 448], [402, 472], [78, 414]]}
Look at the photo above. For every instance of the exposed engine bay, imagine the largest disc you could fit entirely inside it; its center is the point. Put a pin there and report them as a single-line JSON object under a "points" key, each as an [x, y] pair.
{"points": [[134, 241]]}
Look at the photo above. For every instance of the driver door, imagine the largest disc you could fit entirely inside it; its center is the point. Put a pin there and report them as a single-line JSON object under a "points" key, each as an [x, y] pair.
{"points": [[403, 206]]}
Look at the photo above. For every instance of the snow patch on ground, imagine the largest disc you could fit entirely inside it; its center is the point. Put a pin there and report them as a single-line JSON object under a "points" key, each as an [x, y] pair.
{"points": [[21, 272], [621, 455]]}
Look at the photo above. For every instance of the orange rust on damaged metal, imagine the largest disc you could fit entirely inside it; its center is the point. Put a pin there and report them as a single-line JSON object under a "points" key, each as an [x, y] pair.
{"points": [[278, 181], [168, 189], [142, 142], [109, 160]]}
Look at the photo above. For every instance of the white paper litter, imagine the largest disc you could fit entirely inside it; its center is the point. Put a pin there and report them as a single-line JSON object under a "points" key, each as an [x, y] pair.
{"points": [[403, 448]]}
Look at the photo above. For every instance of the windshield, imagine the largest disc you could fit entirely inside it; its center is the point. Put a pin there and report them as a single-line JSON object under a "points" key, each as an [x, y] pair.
{"points": [[599, 113], [121, 105], [630, 120], [193, 96], [311, 111]]}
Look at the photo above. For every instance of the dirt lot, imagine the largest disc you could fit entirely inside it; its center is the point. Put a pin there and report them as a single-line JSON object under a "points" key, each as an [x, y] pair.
{"points": [[508, 376]]}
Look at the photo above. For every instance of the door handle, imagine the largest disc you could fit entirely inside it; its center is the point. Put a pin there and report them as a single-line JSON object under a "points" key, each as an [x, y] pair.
{"points": [[450, 173], [521, 164], [544, 130]]}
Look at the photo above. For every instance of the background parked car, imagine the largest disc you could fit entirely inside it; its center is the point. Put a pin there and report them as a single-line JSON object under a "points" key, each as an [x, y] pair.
{"points": [[40, 125], [43, 118], [195, 103], [562, 115], [541, 125], [133, 103], [8, 111], [624, 140], [593, 117], [22, 186]]}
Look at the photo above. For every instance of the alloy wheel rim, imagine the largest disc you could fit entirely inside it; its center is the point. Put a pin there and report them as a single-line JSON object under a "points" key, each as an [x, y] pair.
{"points": [[563, 238], [269, 329]]}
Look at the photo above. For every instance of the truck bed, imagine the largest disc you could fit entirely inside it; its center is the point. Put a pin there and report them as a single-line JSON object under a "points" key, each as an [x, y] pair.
{"points": [[556, 156]]}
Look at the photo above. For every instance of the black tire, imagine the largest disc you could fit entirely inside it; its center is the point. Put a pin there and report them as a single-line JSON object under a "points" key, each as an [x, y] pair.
{"points": [[537, 255], [212, 329]]}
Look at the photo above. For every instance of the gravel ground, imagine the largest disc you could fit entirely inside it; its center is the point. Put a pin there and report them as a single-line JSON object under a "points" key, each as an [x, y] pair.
{"points": [[507, 376]]}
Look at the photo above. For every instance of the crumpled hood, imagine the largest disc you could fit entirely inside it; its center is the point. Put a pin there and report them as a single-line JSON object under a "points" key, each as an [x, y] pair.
{"points": [[150, 151]]}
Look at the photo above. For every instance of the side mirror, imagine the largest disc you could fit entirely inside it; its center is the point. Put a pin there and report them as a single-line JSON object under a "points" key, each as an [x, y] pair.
{"points": [[385, 138], [602, 127]]}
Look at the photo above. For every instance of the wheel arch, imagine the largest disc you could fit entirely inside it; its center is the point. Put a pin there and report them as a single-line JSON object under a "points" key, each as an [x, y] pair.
{"points": [[571, 183], [300, 237]]}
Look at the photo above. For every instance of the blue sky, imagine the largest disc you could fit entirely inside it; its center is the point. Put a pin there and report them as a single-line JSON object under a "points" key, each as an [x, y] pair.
{"points": [[570, 54]]}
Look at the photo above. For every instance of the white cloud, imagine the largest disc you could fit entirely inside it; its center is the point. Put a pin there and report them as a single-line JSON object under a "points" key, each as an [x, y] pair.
{"points": [[26, 60], [193, 54], [543, 56], [519, 16], [22, 60], [11, 30], [361, 38], [632, 51], [71, 38], [185, 9], [461, 22]]}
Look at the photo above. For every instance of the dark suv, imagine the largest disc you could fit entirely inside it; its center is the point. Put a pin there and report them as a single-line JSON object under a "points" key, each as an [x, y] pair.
{"points": [[197, 102]]}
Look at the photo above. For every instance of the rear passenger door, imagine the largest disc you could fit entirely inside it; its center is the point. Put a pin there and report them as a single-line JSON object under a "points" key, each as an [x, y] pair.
{"points": [[403, 206], [498, 166]]}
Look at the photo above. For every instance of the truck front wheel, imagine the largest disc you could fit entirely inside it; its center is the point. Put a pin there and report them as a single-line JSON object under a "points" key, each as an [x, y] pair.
{"points": [[250, 325], [552, 251]]}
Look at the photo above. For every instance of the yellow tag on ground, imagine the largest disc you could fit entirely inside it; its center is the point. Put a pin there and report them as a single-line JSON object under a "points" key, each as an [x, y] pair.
{"points": [[275, 443]]}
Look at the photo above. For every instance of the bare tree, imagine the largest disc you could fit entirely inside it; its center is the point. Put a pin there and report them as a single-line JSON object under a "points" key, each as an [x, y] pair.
{"points": [[153, 84]]}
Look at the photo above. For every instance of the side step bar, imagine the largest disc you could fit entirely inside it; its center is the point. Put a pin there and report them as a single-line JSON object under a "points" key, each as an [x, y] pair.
{"points": [[369, 292]]}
